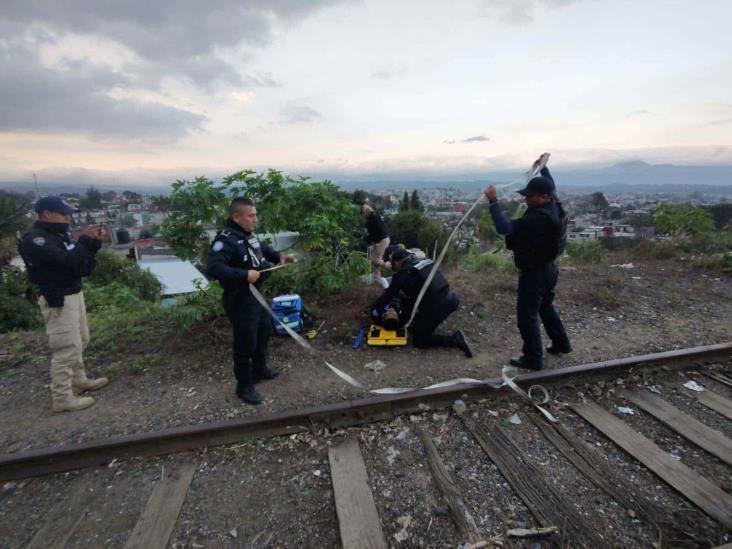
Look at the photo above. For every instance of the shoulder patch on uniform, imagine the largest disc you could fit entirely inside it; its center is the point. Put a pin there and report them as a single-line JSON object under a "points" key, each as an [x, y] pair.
{"points": [[217, 246], [39, 241]]}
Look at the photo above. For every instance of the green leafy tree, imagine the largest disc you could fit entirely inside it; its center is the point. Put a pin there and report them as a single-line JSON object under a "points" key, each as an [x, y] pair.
{"points": [[415, 203], [160, 202], [359, 196], [722, 214], [92, 200], [404, 204], [675, 219], [13, 220], [598, 201], [413, 230], [132, 196], [325, 218]]}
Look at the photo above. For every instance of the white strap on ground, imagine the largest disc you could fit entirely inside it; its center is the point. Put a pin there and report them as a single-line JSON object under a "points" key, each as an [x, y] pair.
{"points": [[525, 178], [508, 374]]}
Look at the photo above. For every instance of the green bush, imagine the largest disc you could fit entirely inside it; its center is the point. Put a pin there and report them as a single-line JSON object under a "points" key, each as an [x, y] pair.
{"points": [[113, 268], [205, 304], [321, 274], [474, 261], [586, 251], [16, 312]]}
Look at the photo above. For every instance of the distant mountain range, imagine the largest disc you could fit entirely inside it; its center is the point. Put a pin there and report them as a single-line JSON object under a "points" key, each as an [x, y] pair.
{"points": [[626, 175], [635, 175]]}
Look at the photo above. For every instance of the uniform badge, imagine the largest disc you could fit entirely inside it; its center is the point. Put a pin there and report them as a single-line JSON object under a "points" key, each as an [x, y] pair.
{"points": [[39, 241], [254, 242], [69, 245], [217, 246]]}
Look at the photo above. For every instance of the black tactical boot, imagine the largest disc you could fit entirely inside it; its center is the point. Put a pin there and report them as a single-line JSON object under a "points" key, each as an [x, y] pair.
{"points": [[264, 374], [521, 362], [459, 340], [248, 394], [557, 349]]}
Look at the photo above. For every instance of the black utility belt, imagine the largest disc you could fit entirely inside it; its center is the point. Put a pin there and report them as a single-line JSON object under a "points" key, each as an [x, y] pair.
{"points": [[56, 298]]}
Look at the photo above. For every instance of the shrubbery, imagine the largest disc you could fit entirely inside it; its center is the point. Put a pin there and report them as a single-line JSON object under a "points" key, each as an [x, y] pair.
{"points": [[496, 259], [585, 251], [113, 268], [16, 312]]}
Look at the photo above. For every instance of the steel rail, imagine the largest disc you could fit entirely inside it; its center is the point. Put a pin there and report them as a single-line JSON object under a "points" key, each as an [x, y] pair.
{"points": [[62, 458]]}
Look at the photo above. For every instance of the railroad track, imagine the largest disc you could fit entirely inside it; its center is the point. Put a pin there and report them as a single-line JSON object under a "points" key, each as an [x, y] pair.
{"points": [[475, 474]]}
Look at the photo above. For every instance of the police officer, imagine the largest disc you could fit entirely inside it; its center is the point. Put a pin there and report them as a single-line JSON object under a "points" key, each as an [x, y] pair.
{"points": [[535, 240], [377, 235], [436, 305], [56, 265], [235, 260]]}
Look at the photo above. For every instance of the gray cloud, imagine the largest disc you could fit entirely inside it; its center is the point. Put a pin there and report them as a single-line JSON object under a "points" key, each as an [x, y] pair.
{"points": [[299, 114], [641, 112], [519, 12], [178, 37], [449, 141], [74, 98], [476, 138], [182, 39]]}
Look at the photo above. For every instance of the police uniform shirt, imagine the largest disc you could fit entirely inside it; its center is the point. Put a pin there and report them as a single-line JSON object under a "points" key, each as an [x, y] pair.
{"points": [[234, 252], [56, 263], [409, 281]]}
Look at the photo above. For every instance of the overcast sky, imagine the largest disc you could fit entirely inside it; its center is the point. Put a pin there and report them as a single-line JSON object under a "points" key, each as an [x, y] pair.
{"points": [[188, 87]]}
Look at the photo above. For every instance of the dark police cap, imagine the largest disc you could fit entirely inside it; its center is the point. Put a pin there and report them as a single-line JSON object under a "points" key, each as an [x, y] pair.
{"points": [[538, 185], [54, 204], [399, 254]]}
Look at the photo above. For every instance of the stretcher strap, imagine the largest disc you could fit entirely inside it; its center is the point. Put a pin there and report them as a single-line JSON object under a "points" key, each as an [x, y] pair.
{"points": [[508, 374]]}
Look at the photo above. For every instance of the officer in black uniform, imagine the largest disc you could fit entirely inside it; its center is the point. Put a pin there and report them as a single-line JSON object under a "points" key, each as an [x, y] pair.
{"points": [[235, 260], [536, 240], [56, 264], [436, 305]]}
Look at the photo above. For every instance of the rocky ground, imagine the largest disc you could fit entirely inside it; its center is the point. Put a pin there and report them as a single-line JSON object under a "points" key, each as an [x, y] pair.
{"points": [[610, 312], [277, 492]]}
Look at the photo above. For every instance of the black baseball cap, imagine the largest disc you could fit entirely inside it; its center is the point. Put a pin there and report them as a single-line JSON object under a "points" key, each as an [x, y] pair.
{"points": [[538, 185], [54, 204]]}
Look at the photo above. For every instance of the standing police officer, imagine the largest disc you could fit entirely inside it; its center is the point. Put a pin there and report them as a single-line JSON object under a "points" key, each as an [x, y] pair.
{"points": [[536, 240], [235, 260], [56, 265], [437, 304], [377, 235]]}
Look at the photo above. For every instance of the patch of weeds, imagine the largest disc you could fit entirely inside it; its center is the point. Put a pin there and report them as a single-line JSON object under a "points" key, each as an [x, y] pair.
{"points": [[136, 367], [607, 294], [8, 373], [504, 424], [155, 360], [111, 370]]}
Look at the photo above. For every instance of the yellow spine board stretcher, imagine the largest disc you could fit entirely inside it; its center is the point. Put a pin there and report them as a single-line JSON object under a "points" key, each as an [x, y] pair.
{"points": [[377, 335]]}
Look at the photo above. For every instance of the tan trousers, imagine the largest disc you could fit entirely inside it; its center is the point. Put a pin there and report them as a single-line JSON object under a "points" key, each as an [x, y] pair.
{"points": [[68, 336], [377, 255]]}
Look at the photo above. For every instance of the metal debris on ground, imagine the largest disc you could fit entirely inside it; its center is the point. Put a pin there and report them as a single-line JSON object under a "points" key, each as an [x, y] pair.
{"points": [[626, 410], [514, 419]]}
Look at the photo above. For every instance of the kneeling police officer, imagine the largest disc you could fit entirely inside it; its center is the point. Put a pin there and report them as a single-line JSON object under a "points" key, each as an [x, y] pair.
{"points": [[437, 304], [235, 260]]}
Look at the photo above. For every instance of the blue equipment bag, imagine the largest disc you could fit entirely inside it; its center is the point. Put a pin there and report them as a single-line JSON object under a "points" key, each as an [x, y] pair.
{"points": [[288, 310]]}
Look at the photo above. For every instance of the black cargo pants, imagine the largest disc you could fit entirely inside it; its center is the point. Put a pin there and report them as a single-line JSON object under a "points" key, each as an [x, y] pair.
{"points": [[251, 329]]}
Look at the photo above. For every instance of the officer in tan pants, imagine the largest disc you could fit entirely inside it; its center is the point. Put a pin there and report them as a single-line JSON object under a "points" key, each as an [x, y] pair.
{"points": [[56, 265]]}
